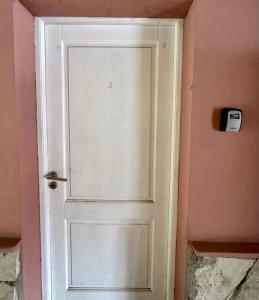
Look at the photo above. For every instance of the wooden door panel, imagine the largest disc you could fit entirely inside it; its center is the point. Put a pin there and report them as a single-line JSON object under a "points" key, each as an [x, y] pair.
{"points": [[75, 294], [109, 32], [109, 107], [114, 256]]}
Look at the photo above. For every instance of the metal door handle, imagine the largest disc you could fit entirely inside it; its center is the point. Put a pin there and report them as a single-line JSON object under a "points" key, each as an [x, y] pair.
{"points": [[52, 175]]}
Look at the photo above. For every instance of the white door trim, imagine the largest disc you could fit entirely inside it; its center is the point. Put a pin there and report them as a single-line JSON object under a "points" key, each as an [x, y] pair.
{"points": [[42, 129]]}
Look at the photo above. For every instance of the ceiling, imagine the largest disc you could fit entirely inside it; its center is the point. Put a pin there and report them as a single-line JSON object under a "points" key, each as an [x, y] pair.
{"points": [[109, 8]]}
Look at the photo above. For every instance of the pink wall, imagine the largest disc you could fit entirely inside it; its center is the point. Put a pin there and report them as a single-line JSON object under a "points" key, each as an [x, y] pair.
{"points": [[109, 8], [9, 176], [27, 138], [219, 187], [19, 209], [186, 107], [224, 177]]}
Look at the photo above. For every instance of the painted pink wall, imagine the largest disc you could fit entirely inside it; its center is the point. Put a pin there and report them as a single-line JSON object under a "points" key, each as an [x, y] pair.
{"points": [[109, 8], [224, 177], [10, 225], [186, 111], [27, 138], [219, 187]]}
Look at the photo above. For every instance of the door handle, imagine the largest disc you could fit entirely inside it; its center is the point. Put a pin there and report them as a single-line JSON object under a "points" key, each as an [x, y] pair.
{"points": [[52, 175]]}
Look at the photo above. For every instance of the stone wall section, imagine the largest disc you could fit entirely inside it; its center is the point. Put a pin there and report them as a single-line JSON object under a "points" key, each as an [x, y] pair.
{"points": [[9, 273], [218, 278]]}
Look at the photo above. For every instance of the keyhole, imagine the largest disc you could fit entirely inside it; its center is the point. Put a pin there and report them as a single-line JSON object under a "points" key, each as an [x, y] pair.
{"points": [[53, 185]]}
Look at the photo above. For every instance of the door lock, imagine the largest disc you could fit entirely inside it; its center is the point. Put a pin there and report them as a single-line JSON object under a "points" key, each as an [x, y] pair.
{"points": [[53, 177]]}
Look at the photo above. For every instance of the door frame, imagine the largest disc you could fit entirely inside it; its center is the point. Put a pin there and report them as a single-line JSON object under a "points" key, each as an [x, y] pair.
{"points": [[41, 22]]}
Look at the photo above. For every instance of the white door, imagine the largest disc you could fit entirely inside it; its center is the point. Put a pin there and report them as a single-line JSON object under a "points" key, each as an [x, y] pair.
{"points": [[107, 127]]}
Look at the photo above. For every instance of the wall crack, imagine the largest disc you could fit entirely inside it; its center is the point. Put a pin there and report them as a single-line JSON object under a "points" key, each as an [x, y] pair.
{"points": [[221, 278]]}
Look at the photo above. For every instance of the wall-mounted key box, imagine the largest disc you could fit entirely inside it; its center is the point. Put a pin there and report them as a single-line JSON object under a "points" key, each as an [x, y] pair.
{"points": [[230, 119]]}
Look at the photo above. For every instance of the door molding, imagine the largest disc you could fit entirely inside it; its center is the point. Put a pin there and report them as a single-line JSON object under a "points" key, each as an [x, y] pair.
{"points": [[41, 22]]}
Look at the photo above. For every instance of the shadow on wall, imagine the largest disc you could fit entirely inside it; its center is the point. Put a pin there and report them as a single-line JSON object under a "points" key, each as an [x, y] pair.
{"points": [[111, 8], [174, 11]]}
